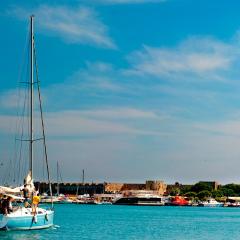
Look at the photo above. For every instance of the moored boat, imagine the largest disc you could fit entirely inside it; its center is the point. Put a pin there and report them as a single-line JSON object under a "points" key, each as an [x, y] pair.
{"points": [[140, 199], [234, 204], [211, 202], [24, 219], [49, 200], [178, 201]]}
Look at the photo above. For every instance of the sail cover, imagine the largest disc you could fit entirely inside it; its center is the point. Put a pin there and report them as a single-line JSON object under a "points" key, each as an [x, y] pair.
{"points": [[28, 181], [8, 190]]}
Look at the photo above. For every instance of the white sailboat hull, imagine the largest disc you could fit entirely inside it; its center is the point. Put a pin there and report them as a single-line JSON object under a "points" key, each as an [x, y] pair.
{"points": [[23, 219]]}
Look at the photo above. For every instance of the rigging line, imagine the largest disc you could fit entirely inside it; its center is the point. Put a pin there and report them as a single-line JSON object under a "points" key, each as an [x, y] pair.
{"points": [[21, 76], [19, 116], [7, 176], [24, 53], [19, 121], [23, 63], [28, 140], [60, 175], [24, 107], [22, 132], [43, 164], [28, 111], [42, 122], [24, 113], [23, 126]]}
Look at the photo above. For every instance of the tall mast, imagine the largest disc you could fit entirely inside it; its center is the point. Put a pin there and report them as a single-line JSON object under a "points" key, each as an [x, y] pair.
{"points": [[31, 97], [82, 184], [57, 179], [83, 181], [83, 176]]}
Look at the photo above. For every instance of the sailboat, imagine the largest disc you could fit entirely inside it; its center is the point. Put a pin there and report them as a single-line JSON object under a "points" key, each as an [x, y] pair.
{"points": [[23, 217], [53, 199], [61, 198]]}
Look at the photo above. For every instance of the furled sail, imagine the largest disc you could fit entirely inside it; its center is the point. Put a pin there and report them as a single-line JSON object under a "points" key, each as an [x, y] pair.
{"points": [[8, 190], [28, 181]]}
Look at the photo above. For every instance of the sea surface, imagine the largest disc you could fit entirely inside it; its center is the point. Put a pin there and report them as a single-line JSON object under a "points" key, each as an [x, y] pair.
{"points": [[136, 222]]}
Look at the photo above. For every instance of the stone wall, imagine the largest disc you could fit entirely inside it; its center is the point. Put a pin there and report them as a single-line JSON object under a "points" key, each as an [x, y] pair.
{"points": [[71, 188], [119, 187], [157, 186]]}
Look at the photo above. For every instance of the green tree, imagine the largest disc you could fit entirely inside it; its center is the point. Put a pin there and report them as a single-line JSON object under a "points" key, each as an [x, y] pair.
{"points": [[231, 189], [174, 191], [217, 193], [204, 194], [201, 186], [185, 189], [190, 194], [228, 192]]}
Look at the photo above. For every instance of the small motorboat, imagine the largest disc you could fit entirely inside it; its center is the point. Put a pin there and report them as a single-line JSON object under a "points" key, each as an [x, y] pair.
{"points": [[211, 202], [178, 201]]}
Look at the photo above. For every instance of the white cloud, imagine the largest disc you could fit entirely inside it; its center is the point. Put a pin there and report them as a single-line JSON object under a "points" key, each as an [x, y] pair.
{"points": [[193, 56], [127, 1], [121, 113], [85, 83], [98, 75], [78, 123], [96, 83], [223, 128], [73, 123], [74, 25], [10, 99], [17, 100]]}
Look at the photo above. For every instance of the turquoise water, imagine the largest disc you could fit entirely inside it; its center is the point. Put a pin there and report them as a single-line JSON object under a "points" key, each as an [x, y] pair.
{"points": [[131, 222]]}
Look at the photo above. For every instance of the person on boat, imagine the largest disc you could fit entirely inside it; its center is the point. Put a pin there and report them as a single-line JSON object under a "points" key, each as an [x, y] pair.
{"points": [[26, 196], [7, 206], [10, 207], [1, 200], [2, 204], [35, 202]]}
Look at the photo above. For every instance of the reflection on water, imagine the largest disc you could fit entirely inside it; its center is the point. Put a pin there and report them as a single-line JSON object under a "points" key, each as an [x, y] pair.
{"points": [[27, 235], [20, 235]]}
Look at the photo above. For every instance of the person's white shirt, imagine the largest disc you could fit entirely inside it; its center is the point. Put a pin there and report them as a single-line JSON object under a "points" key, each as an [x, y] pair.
{"points": [[10, 205]]}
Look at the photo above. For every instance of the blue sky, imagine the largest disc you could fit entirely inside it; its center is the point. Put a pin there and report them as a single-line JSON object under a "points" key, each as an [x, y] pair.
{"points": [[132, 89]]}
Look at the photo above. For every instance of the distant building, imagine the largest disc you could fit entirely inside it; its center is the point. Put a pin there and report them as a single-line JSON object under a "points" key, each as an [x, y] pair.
{"points": [[157, 186], [120, 187]]}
